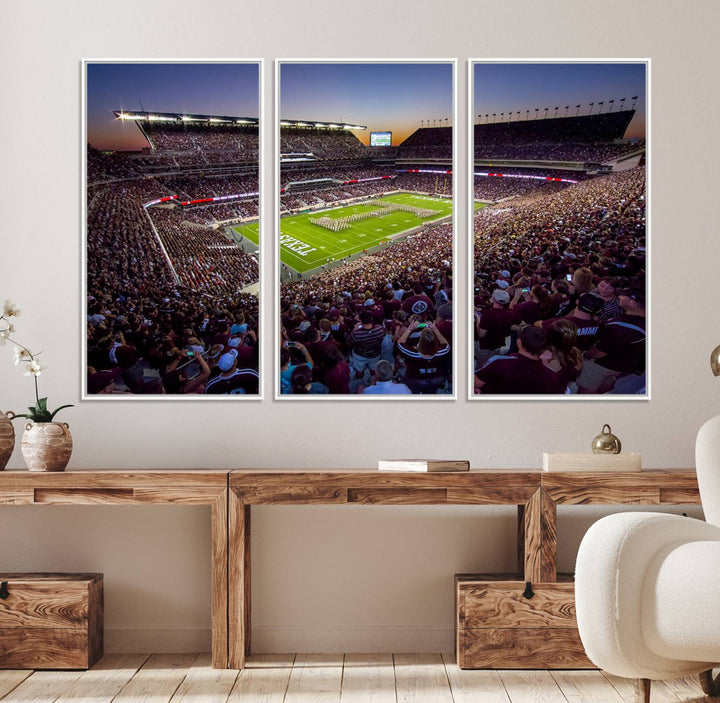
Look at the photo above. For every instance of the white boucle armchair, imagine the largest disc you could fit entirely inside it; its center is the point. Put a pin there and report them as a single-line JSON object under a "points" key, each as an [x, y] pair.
{"points": [[647, 586]]}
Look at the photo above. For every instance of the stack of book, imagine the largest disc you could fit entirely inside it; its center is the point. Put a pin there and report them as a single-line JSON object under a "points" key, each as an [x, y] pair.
{"points": [[592, 462], [422, 465]]}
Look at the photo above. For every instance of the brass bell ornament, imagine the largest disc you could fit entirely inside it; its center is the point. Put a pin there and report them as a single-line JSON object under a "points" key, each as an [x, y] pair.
{"points": [[606, 442]]}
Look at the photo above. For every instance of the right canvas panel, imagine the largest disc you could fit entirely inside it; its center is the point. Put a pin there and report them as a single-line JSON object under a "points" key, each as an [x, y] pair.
{"points": [[559, 248]]}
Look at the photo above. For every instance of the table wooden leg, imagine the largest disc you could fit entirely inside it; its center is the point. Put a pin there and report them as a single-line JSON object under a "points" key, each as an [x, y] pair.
{"points": [[219, 614], [238, 581], [537, 538]]}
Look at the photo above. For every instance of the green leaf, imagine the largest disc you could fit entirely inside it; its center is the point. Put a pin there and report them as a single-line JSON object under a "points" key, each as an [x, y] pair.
{"points": [[42, 404], [55, 412], [33, 409]]}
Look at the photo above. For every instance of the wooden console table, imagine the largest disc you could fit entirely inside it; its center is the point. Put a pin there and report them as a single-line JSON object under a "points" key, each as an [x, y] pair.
{"points": [[231, 495], [201, 487], [537, 495]]}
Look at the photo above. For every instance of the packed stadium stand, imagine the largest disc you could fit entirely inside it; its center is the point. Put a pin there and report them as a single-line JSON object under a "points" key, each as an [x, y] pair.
{"points": [[560, 266], [170, 299], [379, 322], [564, 199], [170, 294]]}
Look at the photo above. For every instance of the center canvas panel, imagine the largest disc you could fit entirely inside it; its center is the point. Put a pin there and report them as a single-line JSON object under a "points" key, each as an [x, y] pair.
{"points": [[365, 240]]}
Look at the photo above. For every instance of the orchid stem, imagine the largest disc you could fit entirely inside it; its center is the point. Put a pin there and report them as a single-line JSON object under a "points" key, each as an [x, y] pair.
{"points": [[29, 353]]}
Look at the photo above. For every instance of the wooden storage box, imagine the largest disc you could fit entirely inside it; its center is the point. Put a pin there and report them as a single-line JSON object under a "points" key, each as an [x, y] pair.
{"points": [[50, 621], [497, 627]]}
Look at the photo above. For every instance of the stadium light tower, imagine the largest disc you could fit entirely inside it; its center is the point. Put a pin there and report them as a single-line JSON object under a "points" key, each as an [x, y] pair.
{"points": [[518, 114], [577, 110], [601, 103], [611, 104], [567, 107], [556, 110], [536, 112], [546, 110], [634, 99], [591, 107], [622, 103]]}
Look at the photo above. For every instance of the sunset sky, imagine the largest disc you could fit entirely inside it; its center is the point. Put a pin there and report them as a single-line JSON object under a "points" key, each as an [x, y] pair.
{"points": [[386, 97], [202, 88], [395, 97], [513, 87]]}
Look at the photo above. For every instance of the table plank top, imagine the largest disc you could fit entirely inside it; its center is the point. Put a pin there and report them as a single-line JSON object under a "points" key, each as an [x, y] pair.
{"points": [[477, 486], [114, 478]]}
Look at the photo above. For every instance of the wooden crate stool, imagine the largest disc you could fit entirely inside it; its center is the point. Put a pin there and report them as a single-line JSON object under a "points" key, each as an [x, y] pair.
{"points": [[502, 622], [50, 621]]}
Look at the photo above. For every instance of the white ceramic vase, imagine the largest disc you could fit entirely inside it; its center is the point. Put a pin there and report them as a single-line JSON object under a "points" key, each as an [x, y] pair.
{"points": [[46, 446]]}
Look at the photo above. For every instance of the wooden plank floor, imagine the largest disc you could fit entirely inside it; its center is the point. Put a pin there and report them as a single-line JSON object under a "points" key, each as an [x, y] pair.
{"points": [[323, 678]]}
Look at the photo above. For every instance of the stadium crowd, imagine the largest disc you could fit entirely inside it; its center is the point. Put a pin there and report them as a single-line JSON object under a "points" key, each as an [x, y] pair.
{"points": [[148, 332], [338, 326], [560, 289], [559, 272], [238, 143], [580, 152], [322, 143], [203, 258], [492, 189], [165, 307]]}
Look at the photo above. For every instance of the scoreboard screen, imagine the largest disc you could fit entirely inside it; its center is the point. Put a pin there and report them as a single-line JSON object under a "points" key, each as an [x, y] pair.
{"points": [[380, 138]]}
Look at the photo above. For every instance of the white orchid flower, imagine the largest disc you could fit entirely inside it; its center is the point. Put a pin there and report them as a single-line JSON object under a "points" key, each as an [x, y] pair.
{"points": [[22, 355], [33, 368], [10, 309]]}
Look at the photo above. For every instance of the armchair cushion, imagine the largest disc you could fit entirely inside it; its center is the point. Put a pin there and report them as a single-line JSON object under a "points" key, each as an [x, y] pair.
{"points": [[681, 602], [624, 559]]}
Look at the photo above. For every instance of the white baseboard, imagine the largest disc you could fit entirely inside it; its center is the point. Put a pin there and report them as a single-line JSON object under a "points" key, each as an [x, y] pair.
{"points": [[371, 638], [149, 640]]}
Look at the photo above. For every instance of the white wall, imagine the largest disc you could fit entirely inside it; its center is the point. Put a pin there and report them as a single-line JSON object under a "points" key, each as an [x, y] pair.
{"points": [[366, 577]]}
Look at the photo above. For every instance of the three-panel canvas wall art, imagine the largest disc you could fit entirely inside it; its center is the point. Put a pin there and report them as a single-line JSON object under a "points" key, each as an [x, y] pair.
{"points": [[397, 273]]}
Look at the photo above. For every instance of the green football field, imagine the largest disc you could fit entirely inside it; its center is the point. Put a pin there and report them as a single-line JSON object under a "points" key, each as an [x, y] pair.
{"points": [[306, 246]]}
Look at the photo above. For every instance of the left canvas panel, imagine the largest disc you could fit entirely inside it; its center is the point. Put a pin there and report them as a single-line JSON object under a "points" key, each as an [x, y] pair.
{"points": [[171, 288]]}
